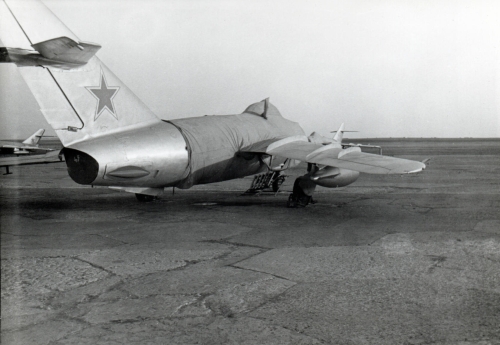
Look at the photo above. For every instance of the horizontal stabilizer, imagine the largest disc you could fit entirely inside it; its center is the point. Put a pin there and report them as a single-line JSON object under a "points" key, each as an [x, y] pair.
{"points": [[64, 49]]}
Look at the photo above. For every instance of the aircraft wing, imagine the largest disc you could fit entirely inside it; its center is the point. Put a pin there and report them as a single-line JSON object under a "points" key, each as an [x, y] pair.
{"points": [[51, 157], [21, 146], [333, 155], [296, 147]]}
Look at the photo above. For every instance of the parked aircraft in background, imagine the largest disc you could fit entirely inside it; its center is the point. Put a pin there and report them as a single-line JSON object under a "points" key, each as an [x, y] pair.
{"points": [[27, 152], [26, 147], [111, 138]]}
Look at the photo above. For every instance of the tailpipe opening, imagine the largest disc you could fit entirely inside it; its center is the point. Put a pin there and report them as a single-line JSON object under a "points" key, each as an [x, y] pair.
{"points": [[82, 167]]}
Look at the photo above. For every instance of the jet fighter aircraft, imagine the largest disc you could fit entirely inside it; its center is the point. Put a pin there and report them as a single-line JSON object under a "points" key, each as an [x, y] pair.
{"points": [[22, 153], [111, 138], [26, 147]]}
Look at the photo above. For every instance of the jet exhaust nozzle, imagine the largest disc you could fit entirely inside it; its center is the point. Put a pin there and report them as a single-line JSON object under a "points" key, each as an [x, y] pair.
{"points": [[4, 55], [82, 167]]}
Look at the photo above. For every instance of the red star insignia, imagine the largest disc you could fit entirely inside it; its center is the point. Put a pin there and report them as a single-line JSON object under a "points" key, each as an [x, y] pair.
{"points": [[104, 95]]}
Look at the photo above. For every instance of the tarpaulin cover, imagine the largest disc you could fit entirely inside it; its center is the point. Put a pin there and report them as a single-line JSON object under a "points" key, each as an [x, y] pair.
{"points": [[221, 147]]}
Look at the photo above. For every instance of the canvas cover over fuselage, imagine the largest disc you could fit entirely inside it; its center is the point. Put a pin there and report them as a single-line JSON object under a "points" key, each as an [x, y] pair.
{"points": [[231, 146]]}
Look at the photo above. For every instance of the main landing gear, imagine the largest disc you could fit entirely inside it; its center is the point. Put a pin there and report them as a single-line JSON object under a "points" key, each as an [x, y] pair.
{"points": [[303, 189]]}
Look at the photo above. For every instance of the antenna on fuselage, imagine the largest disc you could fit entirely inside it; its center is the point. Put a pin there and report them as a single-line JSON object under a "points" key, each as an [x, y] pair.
{"points": [[266, 106]]}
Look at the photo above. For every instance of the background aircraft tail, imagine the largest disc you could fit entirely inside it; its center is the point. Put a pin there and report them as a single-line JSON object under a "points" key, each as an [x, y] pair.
{"points": [[78, 95], [34, 138], [340, 134]]}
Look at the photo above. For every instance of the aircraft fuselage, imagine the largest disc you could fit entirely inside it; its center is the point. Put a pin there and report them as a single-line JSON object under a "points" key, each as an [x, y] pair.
{"points": [[180, 153]]}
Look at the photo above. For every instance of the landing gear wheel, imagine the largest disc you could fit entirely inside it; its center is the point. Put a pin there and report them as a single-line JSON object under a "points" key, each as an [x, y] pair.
{"points": [[303, 188], [145, 197], [292, 201], [298, 201]]}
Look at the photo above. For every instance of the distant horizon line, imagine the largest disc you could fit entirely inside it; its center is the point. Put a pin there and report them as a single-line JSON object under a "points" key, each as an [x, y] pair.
{"points": [[368, 138], [55, 138]]}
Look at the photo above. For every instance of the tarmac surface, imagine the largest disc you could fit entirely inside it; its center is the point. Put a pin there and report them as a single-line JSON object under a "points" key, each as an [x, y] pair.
{"points": [[409, 259]]}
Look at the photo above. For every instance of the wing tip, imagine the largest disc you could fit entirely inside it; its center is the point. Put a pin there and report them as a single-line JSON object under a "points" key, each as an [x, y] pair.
{"points": [[419, 169]]}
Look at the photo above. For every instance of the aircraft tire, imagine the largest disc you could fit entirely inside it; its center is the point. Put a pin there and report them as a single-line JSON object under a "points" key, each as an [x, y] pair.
{"points": [[292, 201], [144, 197]]}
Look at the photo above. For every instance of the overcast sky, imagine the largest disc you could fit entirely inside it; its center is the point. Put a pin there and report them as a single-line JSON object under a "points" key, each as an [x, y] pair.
{"points": [[385, 68]]}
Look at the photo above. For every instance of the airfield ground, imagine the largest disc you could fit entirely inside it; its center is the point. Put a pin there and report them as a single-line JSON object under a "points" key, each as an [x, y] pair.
{"points": [[388, 260]]}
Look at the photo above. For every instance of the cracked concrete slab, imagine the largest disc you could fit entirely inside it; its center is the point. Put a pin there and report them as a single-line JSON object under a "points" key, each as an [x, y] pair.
{"points": [[379, 310], [130, 310], [84, 293], [176, 232], [21, 315], [29, 276], [149, 258], [27, 285], [202, 278], [395, 256], [54, 245], [20, 225], [343, 234], [195, 330], [43, 333], [244, 297]]}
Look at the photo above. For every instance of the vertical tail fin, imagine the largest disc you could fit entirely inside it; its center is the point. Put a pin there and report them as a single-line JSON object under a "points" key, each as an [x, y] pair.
{"points": [[340, 134], [78, 95], [34, 138]]}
